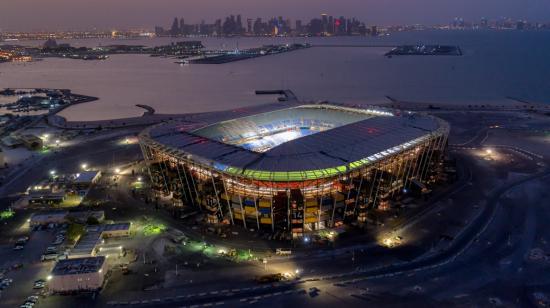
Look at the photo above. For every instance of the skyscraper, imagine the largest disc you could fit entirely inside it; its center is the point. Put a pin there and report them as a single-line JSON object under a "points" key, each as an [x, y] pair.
{"points": [[249, 29], [175, 29], [239, 29], [299, 27], [183, 28], [324, 23]]}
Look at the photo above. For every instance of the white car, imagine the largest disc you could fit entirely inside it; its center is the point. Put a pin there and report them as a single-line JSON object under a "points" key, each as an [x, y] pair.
{"points": [[49, 257], [32, 299]]}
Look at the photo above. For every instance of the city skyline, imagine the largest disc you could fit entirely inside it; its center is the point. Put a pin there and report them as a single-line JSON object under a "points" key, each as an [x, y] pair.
{"points": [[60, 14]]}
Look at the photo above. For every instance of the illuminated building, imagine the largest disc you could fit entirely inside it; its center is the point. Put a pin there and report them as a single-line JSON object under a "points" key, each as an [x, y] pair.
{"points": [[302, 169]]}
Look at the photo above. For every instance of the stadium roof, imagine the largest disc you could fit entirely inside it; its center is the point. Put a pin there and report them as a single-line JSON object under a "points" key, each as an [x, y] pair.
{"points": [[324, 154]]}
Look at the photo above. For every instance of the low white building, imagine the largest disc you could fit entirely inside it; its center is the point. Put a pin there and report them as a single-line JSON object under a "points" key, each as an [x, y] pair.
{"points": [[121, 229], [44, 218], [91, 242], [86, 179], [74, 275]]}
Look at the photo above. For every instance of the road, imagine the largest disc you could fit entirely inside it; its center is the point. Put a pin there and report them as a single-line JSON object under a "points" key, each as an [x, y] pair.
{"points": [[495, 218]]}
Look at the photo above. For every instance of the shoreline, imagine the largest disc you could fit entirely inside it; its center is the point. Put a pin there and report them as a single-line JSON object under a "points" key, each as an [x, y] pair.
{"points": [[149, 117]]}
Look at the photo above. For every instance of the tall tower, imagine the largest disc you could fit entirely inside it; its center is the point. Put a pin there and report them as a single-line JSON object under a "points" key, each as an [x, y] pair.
{"points": [[249, 29], [175, 29], [324, 23], [183, 28]]}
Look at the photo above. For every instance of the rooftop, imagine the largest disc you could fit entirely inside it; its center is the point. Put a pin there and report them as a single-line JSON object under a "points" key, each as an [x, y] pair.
{"points": [[78, 266], [264, 131], [350, 138], [85, 177], [109, 227], [47, 215], [93, 237], [86, 244]]}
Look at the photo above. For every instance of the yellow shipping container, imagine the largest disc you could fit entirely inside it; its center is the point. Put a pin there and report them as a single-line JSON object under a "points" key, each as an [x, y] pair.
{"points": [[311, 209], [265, 203], [250, 210], [265, 221], [224, 196], [238, 216], [311, 220], [311, 202]]}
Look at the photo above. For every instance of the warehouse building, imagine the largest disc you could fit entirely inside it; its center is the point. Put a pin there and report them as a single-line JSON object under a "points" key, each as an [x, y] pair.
{"points": [[78, 275]]}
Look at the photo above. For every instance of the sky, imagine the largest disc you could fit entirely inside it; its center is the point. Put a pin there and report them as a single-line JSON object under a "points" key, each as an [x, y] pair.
{"points": [[24, 15]]}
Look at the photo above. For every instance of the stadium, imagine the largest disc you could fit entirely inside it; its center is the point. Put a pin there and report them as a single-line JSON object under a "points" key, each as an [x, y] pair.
{"points": [[298, 169]]}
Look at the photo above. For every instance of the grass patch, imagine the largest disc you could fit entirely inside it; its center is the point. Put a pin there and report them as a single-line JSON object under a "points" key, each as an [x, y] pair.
{"points": [[153, 229], [7, 214]]}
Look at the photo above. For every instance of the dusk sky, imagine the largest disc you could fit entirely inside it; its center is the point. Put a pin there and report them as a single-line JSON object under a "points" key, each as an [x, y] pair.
{"points": [[106, 14]]}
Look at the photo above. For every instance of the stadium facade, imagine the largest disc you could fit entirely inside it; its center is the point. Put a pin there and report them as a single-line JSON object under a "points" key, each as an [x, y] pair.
{"points": [[298, 169]]}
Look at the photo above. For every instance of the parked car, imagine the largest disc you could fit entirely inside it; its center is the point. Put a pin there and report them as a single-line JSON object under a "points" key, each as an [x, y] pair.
{"points": [[51, 249], [32, 299], [49, 257]]}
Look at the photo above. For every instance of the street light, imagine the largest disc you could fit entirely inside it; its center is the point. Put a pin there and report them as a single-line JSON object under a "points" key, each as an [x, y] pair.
{"points": [[489, 151], [52, 172], [84, 166], [117, 170], [49, 277]]}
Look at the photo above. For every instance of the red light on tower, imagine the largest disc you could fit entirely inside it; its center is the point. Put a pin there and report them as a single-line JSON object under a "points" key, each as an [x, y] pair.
{"points": [[337, 22]]}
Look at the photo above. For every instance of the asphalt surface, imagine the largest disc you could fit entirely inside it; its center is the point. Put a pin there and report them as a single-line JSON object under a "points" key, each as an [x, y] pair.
{"points": [[496, 216]]}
